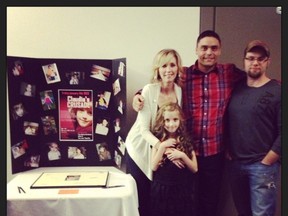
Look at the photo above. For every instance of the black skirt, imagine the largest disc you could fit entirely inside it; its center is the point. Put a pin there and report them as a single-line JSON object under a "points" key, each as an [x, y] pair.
{"points": [[171, 191]]}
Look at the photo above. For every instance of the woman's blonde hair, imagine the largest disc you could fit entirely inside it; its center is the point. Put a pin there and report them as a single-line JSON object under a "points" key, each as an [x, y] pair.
{"points": [[161, 58]]}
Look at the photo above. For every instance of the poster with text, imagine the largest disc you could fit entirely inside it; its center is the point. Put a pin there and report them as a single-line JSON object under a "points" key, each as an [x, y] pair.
{"points": [[75, 115]]}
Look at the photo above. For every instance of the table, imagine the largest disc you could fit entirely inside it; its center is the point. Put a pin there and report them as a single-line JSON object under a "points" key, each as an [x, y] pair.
{"points": [[117, 201]]}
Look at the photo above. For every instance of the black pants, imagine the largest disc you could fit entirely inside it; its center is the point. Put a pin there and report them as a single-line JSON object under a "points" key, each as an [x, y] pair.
{"points": [[143, 185], [208, 183]]}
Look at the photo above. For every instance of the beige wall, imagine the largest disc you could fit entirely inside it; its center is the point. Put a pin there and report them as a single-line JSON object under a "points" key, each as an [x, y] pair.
{"points": [[238, 25], [136, 33]]}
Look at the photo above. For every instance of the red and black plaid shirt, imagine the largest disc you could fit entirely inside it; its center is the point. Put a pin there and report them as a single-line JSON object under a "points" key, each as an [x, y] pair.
{"points": [[205, 98]]}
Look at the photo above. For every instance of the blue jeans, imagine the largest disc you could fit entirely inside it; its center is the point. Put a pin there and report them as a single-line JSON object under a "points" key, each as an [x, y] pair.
{"points": [[254, 188]]}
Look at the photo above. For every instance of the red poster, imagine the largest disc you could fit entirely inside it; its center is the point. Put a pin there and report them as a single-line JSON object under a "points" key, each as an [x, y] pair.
{"points": [[75, 115]]}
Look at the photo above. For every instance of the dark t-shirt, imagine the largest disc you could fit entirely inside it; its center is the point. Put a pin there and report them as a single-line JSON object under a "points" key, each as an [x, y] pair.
{"points": [[254, 121]]}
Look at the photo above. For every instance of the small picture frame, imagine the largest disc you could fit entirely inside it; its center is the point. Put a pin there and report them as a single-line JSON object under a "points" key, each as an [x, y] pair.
{"points": [[51, 73]]}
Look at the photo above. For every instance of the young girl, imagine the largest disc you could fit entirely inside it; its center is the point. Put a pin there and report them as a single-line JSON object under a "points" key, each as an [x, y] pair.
{"points": [[170, 190], [47, 101], [54, 152], [28, 90], [79, 153]]}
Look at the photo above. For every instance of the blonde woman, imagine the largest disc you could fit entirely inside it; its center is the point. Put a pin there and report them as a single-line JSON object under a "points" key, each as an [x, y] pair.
{"points": [[139, 142]]}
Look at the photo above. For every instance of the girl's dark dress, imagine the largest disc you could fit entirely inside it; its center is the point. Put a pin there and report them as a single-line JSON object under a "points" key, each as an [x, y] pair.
{"points": [[171, 191]]}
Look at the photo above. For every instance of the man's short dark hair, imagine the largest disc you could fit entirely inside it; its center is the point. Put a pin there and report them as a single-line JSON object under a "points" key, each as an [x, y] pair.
{"points": [[208, 33]]}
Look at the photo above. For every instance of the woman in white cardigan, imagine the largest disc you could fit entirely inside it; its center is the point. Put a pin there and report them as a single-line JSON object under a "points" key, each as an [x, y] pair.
{"points": [[139, 142]]}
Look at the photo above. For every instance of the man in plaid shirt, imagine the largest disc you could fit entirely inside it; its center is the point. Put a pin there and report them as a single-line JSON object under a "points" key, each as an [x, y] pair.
{"points": [[207, 88]]}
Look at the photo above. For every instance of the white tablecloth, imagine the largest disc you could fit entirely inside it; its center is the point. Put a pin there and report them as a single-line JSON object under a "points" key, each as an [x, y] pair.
{"points": [[118, 201]]}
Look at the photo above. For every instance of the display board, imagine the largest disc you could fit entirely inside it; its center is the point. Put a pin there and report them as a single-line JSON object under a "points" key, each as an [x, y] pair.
{"points": [[66, 112]]}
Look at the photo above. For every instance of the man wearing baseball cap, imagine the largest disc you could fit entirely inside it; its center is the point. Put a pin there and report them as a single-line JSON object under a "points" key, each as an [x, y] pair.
{"points": [[254, 129]]}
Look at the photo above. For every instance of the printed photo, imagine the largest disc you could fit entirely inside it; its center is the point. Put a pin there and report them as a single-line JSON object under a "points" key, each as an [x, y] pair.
{"points": [[32, 161], [117, 126], [72, 177], [121, 145], [102, 100], [18, 68], [121, 106], [49, 125], [31, 128], [102, 127], [103, 152], [121, 69], [117, 159], [19, 149], [18, 111], [75, 77], [77, 152], [54, 151], [100, 73], [116, 87], [51, 73], [27, 89], [47, 100]]}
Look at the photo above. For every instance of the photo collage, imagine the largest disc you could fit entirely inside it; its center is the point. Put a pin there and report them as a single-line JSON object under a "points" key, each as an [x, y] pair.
{"points": [[66, 112]]}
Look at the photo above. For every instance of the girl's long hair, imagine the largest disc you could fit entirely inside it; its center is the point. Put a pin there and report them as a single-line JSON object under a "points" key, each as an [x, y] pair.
{"points": [[185, 142]]}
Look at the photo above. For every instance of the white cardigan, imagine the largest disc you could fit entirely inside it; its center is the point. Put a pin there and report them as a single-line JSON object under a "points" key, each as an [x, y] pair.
{"points": [[140, 139]]}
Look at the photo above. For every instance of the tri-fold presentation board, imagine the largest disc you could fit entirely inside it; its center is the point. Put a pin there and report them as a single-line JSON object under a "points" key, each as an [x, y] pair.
{"points": [[66, 112]]}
